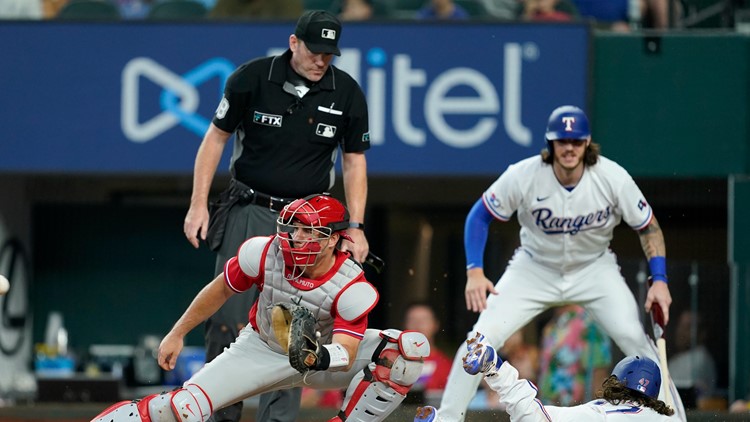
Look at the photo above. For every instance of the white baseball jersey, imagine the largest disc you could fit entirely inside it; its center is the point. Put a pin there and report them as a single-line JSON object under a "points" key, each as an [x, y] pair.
{"points": [[567, 229], [564, 258], [518, 396]]}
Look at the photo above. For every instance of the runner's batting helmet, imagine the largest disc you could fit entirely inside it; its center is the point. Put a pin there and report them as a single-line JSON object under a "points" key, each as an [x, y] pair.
{"points": [[640, 374], [567, 122]]}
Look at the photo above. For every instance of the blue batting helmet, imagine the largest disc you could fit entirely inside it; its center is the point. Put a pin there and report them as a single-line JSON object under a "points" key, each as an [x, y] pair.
{"points": [[639, 374], [567, 122]]}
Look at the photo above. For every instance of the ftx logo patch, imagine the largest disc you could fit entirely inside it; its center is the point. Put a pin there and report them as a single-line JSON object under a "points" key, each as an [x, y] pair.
{"points": [[267, 119]]}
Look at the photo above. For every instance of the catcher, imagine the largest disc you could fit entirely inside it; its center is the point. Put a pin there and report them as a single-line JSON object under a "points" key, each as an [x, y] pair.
{"points": [[307, 327]]}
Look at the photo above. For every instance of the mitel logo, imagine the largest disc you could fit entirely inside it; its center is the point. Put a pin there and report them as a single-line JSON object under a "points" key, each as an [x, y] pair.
{"points": [[179, 99], [395, 88], [439, 104]]}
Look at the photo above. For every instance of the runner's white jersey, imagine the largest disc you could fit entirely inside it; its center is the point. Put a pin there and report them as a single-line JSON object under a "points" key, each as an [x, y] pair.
{"points": [[562, 229], [518, 396]]}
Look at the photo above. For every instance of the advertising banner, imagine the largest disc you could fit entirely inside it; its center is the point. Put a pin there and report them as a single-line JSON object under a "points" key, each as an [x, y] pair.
{"points": [[136, 97]]}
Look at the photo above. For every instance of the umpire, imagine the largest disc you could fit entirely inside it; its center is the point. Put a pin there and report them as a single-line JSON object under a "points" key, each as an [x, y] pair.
{"points": [[290, 114]]}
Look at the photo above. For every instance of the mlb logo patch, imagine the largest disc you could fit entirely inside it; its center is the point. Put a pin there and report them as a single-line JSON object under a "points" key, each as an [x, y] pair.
{"points": [[326, 131], [495, 201], [329, 34], [642, 384]]}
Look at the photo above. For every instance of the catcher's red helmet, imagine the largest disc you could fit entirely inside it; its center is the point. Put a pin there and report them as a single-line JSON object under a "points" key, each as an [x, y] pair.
{"points": [[306, 223], [318, 211]]}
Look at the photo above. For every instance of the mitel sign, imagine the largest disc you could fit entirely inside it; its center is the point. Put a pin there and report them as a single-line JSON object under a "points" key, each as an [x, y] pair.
{"points": [[443, 99]]}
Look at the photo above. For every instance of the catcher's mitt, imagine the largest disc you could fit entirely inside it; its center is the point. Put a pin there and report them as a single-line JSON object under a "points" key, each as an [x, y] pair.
{"points": [[295, 330]]}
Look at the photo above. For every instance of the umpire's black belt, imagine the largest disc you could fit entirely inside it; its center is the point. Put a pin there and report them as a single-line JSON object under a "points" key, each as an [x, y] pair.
{"points": [[249, 196]]}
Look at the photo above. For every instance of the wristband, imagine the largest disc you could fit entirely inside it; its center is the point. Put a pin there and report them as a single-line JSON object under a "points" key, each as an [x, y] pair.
{"points": [[353, 225], [337, 355], [658, 267]]}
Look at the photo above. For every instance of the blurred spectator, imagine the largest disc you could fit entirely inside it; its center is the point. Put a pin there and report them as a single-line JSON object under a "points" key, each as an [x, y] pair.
{"points": [[740, 406], [50, 8], [21, 9], [614, 14], [655, 13], [442, 10], [522, 355], [421, 316], [610, 14], [256, 9], [356, 10], [576, 358], [504, 9], [134, 9], [692, 367], [549, 10]]}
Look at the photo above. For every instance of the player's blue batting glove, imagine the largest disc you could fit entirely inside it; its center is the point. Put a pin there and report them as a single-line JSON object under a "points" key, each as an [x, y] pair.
{"points": [[480, 357]]}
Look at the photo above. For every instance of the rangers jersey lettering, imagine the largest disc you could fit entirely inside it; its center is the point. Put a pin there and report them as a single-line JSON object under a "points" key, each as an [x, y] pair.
{"points": [[565, 229]]}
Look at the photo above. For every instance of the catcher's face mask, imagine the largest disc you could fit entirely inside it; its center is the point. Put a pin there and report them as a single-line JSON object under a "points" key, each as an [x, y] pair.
{"points": [[305, 227]]}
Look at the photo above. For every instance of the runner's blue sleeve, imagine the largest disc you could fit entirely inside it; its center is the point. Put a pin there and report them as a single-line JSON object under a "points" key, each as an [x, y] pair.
{"points": [[475, 234]]}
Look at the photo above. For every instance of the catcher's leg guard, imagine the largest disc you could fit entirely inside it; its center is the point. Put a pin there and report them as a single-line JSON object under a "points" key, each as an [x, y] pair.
{"points": [[398, 364], [187, 404]]}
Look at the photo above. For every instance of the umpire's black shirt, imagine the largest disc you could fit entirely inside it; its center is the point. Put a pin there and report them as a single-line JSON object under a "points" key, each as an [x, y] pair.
{"points": [[285, 145]]}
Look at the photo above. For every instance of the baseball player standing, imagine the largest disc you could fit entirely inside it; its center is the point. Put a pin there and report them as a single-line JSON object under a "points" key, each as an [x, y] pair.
{"points": [[568, 202], [290, 114], [300, 268]]}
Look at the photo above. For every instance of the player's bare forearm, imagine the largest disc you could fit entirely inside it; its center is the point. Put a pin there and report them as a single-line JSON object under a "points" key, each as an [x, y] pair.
{"points": [[652, 240], [206, 162], [205, 304], [354, 167], [208, 301]]}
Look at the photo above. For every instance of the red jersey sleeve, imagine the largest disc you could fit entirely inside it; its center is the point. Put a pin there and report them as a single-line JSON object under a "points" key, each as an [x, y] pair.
{"points": [[235, 278], [354, 328]]}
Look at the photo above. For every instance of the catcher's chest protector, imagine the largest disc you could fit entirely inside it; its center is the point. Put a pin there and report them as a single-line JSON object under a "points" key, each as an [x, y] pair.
{"points": [[319, 300]]}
